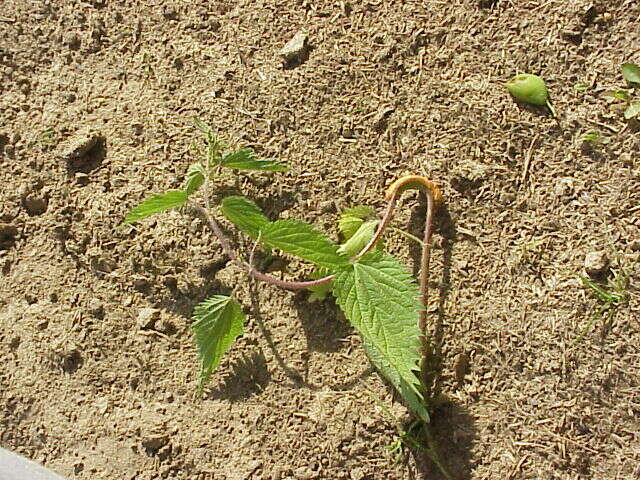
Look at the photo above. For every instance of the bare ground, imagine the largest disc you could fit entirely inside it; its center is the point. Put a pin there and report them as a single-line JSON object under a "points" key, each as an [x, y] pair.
{"points": [[388, 88]]}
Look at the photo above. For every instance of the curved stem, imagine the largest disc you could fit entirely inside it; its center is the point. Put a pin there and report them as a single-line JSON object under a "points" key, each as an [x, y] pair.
{"points": [[226, 247], [384, 223], [434, 197]]}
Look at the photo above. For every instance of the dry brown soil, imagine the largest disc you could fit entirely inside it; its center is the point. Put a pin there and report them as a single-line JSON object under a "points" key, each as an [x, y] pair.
{"points": [[388, 88]]}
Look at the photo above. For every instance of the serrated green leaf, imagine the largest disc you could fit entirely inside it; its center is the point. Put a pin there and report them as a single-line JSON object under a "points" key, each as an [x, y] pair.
{"points": [[359, 239], [301, 239], [351, 219], [245, 215], [348, 226], [203, 127], [631, 73], [414, 400], [156, 204], [217, 322], [195, 178], [246, 159], [379, 298], [632, 111]]}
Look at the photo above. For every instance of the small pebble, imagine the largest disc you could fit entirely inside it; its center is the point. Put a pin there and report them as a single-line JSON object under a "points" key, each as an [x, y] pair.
{"points": [[596, 263], [296, 49], [71, 40], [147, 318], [328, 206]]}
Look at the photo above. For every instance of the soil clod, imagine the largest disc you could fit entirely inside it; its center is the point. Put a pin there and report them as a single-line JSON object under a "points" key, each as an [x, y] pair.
{"points": [[79, 146]]}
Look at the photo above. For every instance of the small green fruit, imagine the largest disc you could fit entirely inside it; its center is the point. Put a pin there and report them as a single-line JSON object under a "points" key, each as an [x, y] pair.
{"points": [[528, 88]]}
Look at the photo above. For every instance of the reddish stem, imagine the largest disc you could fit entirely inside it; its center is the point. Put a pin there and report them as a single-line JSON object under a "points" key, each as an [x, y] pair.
{"points": [[226, 247]]}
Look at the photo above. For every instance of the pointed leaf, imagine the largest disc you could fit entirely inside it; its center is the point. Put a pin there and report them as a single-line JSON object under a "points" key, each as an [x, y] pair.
{"points": [[631, 73], [632, 110], [619, 94], [213, 143], [245, 159], [195, 178], [359, 239], [218, 321], [245, 215], [301, 239], [379, 298], [351, 219], [414, 400], [156, 204]]}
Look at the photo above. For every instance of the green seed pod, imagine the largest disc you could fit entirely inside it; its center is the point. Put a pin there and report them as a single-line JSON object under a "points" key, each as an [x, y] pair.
{"points": [[528, 88]]}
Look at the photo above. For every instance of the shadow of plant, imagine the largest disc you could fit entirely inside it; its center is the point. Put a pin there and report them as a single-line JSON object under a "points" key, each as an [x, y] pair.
{"points": [[247, 376], [452, 433], [323, 323]]}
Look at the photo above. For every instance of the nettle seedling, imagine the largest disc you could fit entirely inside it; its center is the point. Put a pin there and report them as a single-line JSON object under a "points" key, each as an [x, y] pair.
{"points": [[377, 294], [631, 74]]}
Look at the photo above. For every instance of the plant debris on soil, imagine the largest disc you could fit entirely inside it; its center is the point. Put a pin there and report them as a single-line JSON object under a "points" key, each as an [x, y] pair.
{"points": [[97, 100]]}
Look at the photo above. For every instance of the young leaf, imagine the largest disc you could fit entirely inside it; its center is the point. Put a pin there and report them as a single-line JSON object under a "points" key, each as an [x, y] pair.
{"points": [[379, 298], [619, 94], [301, 239], [320, 292], [218, 321], [245, 159], [351, 219], [595, 137], [214, 145], [156, 204], [632, 111], [359, 239], [245, 215], [195, 178], [631, 73]]}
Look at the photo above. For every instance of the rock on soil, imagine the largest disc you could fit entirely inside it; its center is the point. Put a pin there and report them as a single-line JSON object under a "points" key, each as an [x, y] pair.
{"points": [[296, 49], [596, 263]]}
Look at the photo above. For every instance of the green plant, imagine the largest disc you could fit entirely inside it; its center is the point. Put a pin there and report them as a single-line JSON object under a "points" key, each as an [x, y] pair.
{"points": [[610, 296], [594, 136], [375, 291], [529, 88], [631, 74]]}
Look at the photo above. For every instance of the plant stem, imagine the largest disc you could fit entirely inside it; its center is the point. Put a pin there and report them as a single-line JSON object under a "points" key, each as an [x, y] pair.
{"points": [[228, 250], [407, 235], [386, 219], [424, 281]]}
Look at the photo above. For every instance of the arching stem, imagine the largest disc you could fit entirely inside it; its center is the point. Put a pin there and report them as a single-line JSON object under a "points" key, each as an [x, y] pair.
{"points": [[226, 247]]}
